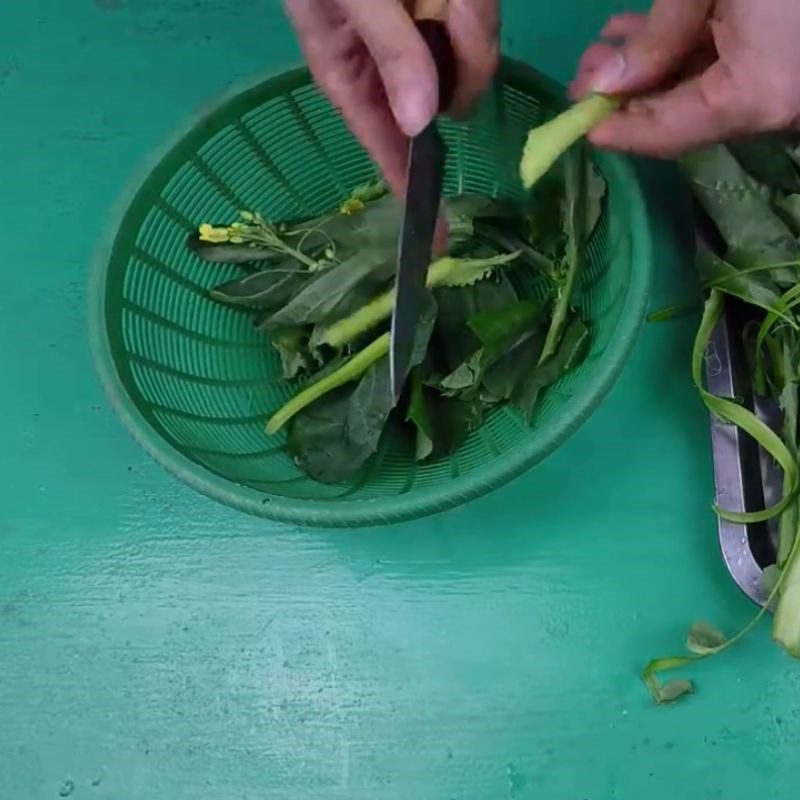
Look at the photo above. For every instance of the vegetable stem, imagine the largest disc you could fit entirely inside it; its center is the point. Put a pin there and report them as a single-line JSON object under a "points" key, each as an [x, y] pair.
{"points": [[442, 272], [576, 180], [786, 624], [547, 143], [350, 371]]}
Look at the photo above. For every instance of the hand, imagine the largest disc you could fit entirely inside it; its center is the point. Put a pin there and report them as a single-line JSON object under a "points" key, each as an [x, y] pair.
{"points": [[370, 61], [699, 72]]}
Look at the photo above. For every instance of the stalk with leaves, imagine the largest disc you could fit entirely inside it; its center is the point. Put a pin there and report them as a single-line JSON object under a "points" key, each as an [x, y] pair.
{"points": [[321, 290]]}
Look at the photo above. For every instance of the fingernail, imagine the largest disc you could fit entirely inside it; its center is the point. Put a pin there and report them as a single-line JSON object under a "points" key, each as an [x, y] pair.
{"points": [[608, 78], [414, 108]]}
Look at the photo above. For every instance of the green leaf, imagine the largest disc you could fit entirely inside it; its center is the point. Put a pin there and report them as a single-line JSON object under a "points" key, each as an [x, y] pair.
{"points": [[376, 223], [462, 211], [503, 379], [509, 237], [265, 290], [466, 271], [752, 287], [331, 438], [741, 208], [595, 189], [571, 353], [545, 230], [497, 331], [291, 345], [332, 294], [788, 208], [440, 423], [767, 160], [453, 340]]}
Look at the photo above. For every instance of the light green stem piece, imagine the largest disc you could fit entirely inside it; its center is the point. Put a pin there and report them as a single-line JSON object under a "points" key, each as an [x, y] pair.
{"points": [[366, 318], [577, 173], [442, 272], [786, 624], [350, 371], [547, 143]]}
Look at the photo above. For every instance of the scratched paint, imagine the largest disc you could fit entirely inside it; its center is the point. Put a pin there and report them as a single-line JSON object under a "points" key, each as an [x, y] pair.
{"points": [[154, 645]]}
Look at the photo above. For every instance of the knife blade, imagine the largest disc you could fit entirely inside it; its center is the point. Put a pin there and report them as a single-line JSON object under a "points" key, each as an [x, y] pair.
{"points": [[426, 160]]}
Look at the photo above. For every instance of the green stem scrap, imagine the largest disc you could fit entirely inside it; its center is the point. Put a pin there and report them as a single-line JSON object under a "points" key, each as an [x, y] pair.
{"points": [[548, 142]]}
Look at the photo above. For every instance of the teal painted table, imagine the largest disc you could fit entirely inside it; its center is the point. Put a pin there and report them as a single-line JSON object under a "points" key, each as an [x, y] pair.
{"points": [[154, 645]]}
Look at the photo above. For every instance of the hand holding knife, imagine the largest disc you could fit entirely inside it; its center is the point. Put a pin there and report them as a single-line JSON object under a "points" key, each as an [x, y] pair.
{"points": [[426, 161]]}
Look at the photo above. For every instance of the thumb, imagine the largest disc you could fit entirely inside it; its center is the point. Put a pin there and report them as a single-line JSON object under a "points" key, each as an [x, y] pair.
{"points": [[673, 30]]}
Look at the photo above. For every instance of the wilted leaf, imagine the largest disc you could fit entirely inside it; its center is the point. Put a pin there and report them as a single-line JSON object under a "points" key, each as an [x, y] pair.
{"points": [[440, 423], [571, 352], [703, 640], [291, 346], [674, 690]]}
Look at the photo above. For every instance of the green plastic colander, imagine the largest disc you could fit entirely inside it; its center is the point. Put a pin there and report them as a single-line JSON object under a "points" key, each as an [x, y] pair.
{"points": [[194, 381]]}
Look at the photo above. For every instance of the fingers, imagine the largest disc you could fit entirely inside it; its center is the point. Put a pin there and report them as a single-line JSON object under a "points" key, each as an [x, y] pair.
{"points": [[403, 61], [594, 58], [698, 112], [614, 34], [347, 74], [674, 28], [473, 26], [372, 63]]}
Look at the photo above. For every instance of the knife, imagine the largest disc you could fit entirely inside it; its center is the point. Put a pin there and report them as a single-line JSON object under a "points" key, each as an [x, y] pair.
{"points": [[426, 161]]}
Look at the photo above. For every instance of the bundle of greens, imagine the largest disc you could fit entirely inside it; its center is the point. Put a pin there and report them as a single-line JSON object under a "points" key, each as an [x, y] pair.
{"points": [[321, 290], [751, 191]]}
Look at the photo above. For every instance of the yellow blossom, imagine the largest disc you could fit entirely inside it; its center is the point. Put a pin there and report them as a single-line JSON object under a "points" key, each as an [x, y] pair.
{"points": [[208, 233], [351, 206]]}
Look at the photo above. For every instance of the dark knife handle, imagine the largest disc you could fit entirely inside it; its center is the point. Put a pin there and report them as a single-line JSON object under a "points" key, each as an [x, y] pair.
{"points": [[437, 38]]}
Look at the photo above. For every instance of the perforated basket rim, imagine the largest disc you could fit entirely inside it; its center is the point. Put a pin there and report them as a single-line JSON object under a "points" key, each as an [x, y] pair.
{"points": [[362, 512]]}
